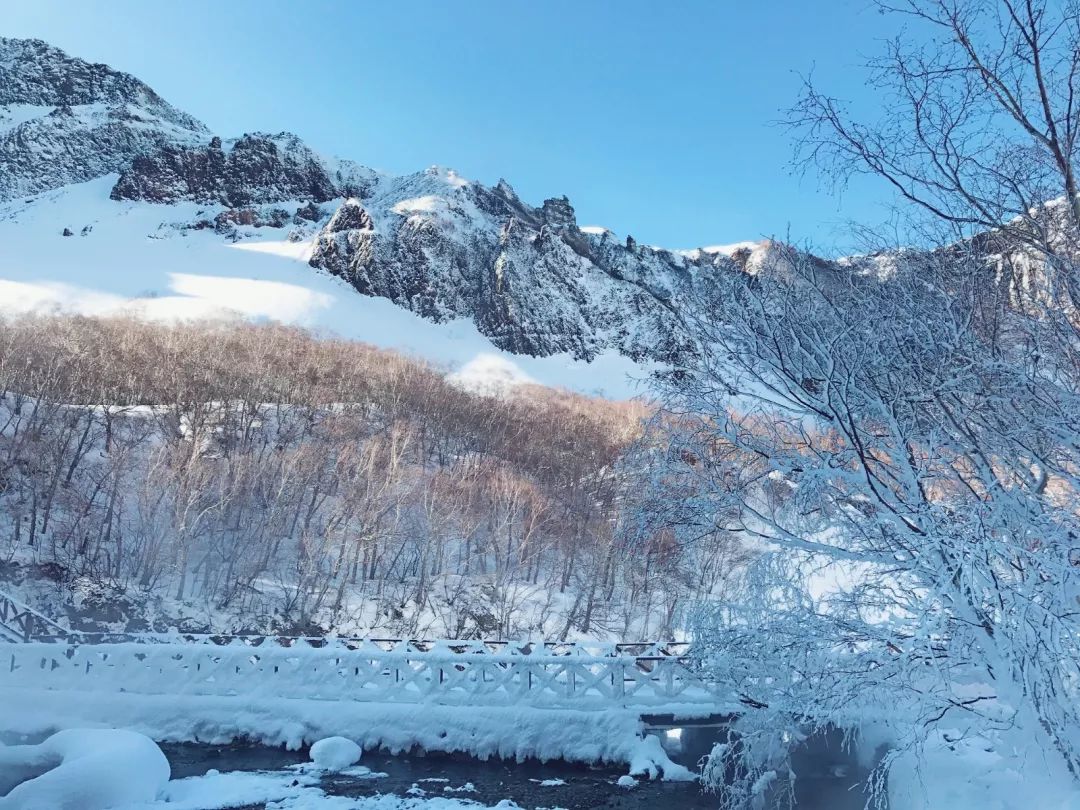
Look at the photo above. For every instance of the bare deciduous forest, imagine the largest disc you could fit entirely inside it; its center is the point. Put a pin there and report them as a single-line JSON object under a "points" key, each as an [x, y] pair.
{"points": [[290, 482]]}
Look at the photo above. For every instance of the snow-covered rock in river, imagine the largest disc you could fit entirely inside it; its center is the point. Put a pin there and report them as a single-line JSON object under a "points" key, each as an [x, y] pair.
{"points": [[335, 753], [651, 761], [85, 769]]}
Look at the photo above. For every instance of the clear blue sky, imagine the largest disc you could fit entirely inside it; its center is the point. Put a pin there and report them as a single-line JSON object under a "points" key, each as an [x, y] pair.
{"points": [[656, 119]]}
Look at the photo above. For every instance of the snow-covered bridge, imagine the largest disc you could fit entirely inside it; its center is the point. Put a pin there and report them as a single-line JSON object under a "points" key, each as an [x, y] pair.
{"points": [[653, 677]]}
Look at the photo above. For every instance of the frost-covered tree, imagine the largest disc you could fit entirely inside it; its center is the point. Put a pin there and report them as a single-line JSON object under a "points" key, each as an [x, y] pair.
{"points": [[900, 446]]}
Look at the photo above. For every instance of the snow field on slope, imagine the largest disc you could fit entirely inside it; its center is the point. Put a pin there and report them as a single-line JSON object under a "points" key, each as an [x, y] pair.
{"points": [[128, 263]]}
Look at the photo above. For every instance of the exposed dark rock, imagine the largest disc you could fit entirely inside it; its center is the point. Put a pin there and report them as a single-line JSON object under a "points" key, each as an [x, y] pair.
{"points": [[528, 277], [351, 216], [227, 221], [100, 120], [559, 213], [308, 213], [256, 169]]}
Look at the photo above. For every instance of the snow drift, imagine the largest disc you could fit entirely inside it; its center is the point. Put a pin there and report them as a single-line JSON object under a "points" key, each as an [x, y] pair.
{"points": [[85, 769]]}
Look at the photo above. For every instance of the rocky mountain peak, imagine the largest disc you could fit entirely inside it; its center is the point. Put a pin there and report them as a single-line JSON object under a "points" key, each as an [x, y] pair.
{"points": [[558, 213], [64, 120], [36, 73], [351, 216]]}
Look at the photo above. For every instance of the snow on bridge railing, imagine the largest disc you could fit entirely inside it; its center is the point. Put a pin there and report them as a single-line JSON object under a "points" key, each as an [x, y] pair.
{"points": [[658, 675], [651, 676], [590, 649]]}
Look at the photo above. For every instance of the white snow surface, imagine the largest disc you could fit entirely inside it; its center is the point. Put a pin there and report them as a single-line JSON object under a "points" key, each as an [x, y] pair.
{"points": [[12, 115], [958, 772], [514, 733], [132, 260], [282, 790], [335, 753], [724, 250], [216, 790], [649, 759], [490, 374], [91, 769]]}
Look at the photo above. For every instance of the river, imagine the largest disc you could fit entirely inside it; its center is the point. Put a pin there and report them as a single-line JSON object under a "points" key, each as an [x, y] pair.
{"points": [[829, 776]]}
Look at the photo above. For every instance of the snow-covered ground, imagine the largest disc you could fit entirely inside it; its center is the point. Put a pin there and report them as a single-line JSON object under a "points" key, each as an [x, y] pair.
{"points": [[513, 733], [956, 772], [107, 769], [126, 257]]}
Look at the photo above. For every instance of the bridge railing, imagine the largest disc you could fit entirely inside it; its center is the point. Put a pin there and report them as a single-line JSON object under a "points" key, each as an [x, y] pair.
{"points": [[19, 622], [589, 649], [582, 674], [366, 670]]}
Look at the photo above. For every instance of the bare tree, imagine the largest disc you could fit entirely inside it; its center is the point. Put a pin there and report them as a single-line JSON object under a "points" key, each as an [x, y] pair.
{"points": [[269, 479], [980, 116]]}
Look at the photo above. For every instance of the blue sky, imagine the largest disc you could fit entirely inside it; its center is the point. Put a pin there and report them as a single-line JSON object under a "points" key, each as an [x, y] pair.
{"points": [[656, 119]]}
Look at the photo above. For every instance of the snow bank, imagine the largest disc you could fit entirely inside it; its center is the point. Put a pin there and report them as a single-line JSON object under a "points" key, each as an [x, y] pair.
{"points": [[335, 753], [316, 801], [283, 791], [972, 773], [612, 736], [88, 769], [215, 790]]}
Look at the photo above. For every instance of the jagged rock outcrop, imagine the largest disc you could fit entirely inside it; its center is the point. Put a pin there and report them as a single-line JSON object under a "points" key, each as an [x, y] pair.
{"points": [[252, 170], [530, 278], [64, 120]]}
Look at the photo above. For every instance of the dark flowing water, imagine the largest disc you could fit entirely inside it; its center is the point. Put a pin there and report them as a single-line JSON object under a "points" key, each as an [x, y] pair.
{"points": [[829, 779], [585, 787]]}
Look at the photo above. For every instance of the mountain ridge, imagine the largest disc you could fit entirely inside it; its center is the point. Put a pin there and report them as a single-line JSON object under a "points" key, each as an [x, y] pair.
{"points": [[431, 242]]}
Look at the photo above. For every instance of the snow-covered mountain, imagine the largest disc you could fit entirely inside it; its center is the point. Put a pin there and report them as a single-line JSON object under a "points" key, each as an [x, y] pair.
{"points": [[528, 279], [63, 120]]}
